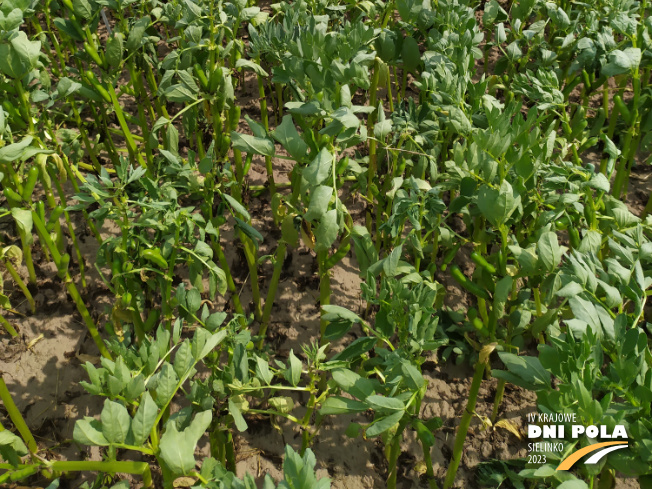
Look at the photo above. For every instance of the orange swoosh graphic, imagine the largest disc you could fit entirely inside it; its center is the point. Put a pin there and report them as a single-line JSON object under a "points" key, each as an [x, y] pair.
{"points": [[568, 462]]}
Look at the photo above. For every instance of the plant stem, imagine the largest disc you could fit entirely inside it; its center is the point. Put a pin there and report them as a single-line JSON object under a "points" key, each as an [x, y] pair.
{"points": [[265, 118], [7, 325], [21, 284], [271, 293], [16, 417], [394, 452], [71, 230], [371, 172], [463, 429], [72, 289], [131, 145], [324, 291], [139, 468]]}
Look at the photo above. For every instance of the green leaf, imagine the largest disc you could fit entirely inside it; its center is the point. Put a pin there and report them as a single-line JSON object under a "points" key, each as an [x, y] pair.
{"points": [[586, 312], [319, 169], [247, 64], [250, 231], [114, 49], [11, 20], [237, 206], [497, 205], [289, 231], [193, 300], [263, 372], [27, 50], [571, 289], [423, 433], [82, 8], [252, 144], [115, 422], [524, 371], [413, 377], [166, 385], [342, 405], [177, 448], [381, 403], [179, 93], [326, 231], [215, 320], [137, 32], [87, 434], [622, 62], [356, 349], [12, 152], [293, 372], [339, 313], [204, 250], [239, 420], [383, 126], [411, 55], [67, 87], [144, 419], [352, 383], [23, 218], [549, 251], [214, 340], [288, 136], [390, 265], [383, 424], [320, 197], [183, 360]]}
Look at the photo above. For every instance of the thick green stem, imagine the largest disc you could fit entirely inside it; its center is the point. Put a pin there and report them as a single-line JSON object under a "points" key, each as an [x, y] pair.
{"points": [[7, 325], [500, 392], [131, 145], [24, 100], [394, 452], [21, 284], [465, 422], [430, 473], [371, 172], [265, 118], [70, 285], [324, 290], [271, 293], [71, 230], [109, 467], [16, 418], [305, 423]]}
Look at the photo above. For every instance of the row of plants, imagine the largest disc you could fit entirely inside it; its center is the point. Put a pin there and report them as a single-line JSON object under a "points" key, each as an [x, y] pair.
{"points": [[494, 154]]}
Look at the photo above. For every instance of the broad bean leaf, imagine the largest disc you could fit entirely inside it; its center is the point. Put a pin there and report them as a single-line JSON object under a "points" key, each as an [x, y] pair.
{"points": [[524, 371], [498, 205], [288, 136], [383, 424], [116, 422], [326, 231], [342, 405], [319, 168], [144, 420], [87, 432], [252, 144], [177, 448], [319, 200], [622, 61]]}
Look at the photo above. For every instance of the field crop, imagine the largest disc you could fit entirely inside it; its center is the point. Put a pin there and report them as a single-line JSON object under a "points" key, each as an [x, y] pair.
{"points": [[324, 243]]}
